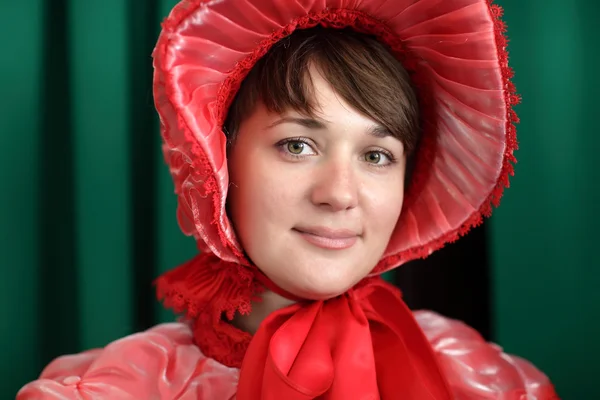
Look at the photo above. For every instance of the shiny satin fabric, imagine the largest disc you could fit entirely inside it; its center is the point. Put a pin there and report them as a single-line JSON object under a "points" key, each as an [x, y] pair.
{"points": [[162, 363], [364, 344], [454, 48]]}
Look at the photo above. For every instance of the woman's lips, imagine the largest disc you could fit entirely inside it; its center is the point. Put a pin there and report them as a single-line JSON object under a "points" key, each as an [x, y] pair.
{"points": [[326, 238]]}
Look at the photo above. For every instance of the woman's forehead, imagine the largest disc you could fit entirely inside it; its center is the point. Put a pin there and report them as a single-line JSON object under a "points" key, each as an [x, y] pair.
{"points": [[323, 74]]}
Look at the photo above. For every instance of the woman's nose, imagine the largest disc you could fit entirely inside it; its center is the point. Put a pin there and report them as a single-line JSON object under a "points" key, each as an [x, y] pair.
{"points": [[336, 186]]}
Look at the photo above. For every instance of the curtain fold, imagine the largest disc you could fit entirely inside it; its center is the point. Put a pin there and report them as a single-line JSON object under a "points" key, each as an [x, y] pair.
{"points": [[20, 80], [546, 263]]}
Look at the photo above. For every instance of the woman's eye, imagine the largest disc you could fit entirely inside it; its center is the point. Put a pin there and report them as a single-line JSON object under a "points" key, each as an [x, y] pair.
{"points": [[377, 157], [295, 147]]}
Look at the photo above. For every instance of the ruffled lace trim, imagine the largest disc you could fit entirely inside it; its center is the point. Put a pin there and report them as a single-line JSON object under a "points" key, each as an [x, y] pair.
{"points": [[361, 22], [208, 292], [427, 151]]}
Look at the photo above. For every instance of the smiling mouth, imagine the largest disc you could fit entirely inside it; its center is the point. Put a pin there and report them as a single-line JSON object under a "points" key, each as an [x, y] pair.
{"points": [[330, 239]]}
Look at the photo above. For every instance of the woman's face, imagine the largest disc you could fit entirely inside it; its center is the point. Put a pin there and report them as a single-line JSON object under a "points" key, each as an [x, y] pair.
{"points": [[314, 201]]}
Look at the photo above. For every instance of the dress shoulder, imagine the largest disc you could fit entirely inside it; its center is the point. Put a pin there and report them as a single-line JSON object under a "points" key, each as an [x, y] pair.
{"points": [[160, 363], [163, 363], [477, 369]]}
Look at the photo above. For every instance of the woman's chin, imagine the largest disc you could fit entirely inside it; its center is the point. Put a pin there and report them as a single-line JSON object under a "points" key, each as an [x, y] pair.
{"points": [[333, 278], [320, 291]]}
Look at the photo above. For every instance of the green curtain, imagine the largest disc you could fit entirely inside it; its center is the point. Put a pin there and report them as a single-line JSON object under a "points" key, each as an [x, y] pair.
{"points": [[546, 263], [86, 205], [87, 210]]}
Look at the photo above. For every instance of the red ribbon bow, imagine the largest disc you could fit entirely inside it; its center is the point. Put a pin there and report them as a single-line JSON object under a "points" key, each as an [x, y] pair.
{"points": [[362, 345]]}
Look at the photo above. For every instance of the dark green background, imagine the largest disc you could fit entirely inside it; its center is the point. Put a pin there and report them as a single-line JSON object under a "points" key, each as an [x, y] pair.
{"points": [[80, 170]]}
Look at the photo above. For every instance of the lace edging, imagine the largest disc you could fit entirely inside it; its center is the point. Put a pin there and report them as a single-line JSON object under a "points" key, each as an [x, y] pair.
{"points": [[209, 292]]}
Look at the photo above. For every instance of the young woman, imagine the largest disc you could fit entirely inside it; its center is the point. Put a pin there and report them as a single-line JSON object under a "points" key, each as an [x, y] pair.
{"points": [[315, 144]]}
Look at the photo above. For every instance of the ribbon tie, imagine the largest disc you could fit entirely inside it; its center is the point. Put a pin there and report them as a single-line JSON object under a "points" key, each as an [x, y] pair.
{"points": [[362, 345]]}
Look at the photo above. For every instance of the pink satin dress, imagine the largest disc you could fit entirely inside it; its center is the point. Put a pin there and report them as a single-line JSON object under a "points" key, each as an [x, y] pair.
{"points": [[163, 363]]}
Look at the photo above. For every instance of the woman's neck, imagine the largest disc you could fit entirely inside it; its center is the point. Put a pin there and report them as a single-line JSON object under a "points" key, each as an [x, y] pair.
{"points": [[269, 302]]}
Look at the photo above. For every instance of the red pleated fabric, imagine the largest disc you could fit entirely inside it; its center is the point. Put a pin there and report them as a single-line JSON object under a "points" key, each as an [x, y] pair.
{"points": [[455, 51]]}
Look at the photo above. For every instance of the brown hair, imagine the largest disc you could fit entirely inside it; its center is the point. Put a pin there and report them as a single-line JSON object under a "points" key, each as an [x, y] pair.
{"points": [[359, 68]]}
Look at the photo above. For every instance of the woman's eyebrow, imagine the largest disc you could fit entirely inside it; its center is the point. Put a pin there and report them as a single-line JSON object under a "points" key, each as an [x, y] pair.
{"points": [[379, 131], [309, 123]]}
